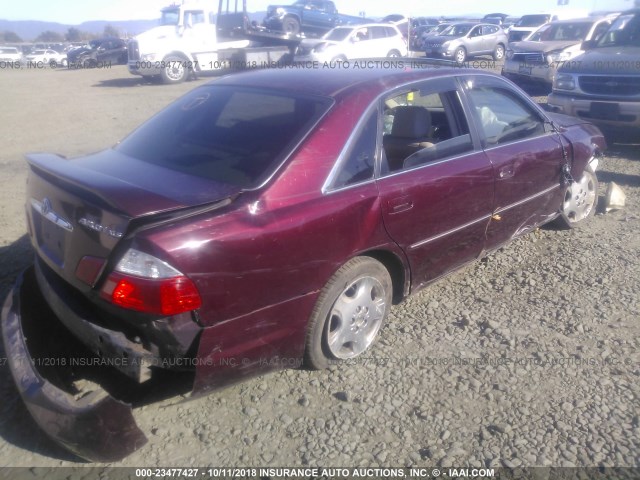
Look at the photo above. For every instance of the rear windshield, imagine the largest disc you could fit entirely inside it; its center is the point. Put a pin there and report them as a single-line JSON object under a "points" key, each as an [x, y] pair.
{"points": [[227, 134]]}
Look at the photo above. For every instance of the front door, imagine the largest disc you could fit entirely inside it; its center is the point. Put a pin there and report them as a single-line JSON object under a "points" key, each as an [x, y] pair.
{"points": [[526, 156]]}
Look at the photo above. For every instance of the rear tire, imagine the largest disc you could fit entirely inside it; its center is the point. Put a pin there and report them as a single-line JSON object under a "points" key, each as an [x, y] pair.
{"points": [[349, 313], [498, 53], [394, 54]]}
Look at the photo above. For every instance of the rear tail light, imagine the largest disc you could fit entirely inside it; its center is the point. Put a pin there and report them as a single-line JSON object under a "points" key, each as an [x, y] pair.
{"points": [[145, 283]]}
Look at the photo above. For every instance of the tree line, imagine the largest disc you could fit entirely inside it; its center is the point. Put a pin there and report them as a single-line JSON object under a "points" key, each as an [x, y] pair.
{"points": [[73, 35]]}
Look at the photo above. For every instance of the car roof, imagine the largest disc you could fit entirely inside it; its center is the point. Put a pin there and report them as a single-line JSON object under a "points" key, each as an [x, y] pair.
{"points": [[342, 82], [360, 25], [577, 20]]}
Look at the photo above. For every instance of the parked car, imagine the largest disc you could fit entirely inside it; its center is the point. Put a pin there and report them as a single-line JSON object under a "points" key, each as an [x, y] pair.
{"points": [[526, 25], [433, 32], [419, 27], [47, 57], [217, 240], [352, 42], [10, 55], [307, 16], [99, 52], [495, 18], [553, 44], [603, 84], [402, 22], [463, 40]]}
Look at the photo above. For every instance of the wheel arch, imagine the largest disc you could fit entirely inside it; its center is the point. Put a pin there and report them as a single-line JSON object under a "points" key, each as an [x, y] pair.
{"points": [[178, 53], [294, 16], [398, 270]]}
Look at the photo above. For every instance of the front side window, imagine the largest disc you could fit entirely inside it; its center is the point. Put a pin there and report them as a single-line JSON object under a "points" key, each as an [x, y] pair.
{"points": [[194, 17], [211, 133], [502, 116], [170, 16]]}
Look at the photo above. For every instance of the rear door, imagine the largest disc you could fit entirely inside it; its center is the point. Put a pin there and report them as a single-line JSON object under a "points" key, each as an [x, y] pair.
{"points": [[526, 156], [435, 182], [474, 40], [489, 38]]}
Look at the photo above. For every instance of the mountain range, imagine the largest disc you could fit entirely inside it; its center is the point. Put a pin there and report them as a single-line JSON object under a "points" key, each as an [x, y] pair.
{"points": [[28, 30]]}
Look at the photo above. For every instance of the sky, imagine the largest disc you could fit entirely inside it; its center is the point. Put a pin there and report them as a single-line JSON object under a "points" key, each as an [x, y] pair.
{"points": [[73, 12]]}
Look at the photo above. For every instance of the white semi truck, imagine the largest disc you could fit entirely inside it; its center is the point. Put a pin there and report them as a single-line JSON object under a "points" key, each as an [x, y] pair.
{"points": [[192, 37]]}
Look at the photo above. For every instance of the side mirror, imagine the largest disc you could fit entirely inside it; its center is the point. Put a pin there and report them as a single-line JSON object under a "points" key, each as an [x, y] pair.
{"points": [[588, 45], [355, 39]]}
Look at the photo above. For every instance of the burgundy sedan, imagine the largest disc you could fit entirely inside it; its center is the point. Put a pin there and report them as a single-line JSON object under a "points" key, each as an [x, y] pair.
{"points": [[268, 218]]}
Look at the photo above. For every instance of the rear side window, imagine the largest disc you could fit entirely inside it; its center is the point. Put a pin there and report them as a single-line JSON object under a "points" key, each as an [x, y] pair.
{"points": [[421, 128], [378, 32], [227, 134], [358, 164], [391, 32]]}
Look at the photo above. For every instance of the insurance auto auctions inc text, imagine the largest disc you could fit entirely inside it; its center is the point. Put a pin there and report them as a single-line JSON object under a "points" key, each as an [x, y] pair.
{"points": [[275, 473]]}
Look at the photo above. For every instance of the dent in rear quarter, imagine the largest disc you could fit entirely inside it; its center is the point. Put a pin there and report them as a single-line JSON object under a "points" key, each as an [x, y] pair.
{"points": [[95, 427]]}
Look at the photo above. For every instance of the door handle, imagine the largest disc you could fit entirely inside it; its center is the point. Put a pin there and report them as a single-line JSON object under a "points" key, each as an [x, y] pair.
{"points": [[400, 204]]}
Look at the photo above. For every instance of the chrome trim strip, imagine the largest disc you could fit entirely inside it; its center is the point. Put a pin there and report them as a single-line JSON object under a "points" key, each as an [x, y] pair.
{"points": [[50, 215], [432, 164], [525, 200], [448, 232]]}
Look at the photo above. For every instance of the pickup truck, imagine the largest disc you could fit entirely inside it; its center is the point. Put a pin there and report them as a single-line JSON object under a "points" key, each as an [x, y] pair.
{"points": [[307, 16], [603, 84]]}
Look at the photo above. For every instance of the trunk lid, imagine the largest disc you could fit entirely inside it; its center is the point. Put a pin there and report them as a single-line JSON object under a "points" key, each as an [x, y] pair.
{"points": [[86, 206]]}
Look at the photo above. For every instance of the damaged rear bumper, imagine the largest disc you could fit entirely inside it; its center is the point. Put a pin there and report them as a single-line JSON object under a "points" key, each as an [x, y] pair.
{"points": [[96, 426]]}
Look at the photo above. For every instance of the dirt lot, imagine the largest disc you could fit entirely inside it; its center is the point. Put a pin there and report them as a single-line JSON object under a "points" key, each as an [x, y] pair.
{"points": [[555, 316]]}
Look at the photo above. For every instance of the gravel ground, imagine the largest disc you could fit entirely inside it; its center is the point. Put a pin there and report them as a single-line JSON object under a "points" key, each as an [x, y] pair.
{"points": [[528, 357]]}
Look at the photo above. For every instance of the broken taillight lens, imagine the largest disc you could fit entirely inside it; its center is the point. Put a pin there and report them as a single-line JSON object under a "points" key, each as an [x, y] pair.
{"points": [[145, 283]]}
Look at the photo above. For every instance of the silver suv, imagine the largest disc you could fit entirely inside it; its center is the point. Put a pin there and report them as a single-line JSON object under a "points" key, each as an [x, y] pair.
{"points": [[539, 57], [463, 40]]}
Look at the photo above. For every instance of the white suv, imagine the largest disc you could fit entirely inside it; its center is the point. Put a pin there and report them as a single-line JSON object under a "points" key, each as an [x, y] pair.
{"points": [[372, 40], [10, 54]]}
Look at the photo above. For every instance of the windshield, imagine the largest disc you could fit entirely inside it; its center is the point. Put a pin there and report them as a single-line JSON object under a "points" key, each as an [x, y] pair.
{"points": [[210, 133], [531, 21], [8, 50], [170, 16], [562, 31], [456, 30], [39, 52], [338, 34], [625, 30]]}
